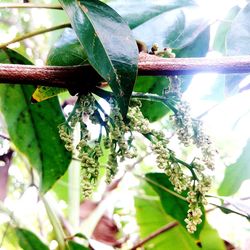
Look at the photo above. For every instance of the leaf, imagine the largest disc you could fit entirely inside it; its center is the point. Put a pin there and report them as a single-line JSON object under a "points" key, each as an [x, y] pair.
{"points": [[222, 31], [33, 128], [173, 206], [109, 45], [236, 173], [76, 246], [29, 241], [152, 84], [151, 216], [197, 47], [67, 51], [140, 11], [237, 43], [181, 27]]}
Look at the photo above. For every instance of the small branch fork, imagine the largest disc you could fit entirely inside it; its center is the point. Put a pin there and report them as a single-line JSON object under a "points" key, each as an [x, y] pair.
{"points": [[68, 76]]}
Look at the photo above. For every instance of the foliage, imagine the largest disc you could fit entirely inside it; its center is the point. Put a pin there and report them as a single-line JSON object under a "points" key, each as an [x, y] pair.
{"points": [[103, 129]]}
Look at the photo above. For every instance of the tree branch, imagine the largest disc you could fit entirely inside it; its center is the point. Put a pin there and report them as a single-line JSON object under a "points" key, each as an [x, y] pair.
{"points": [[85, 76], [155, 234]]}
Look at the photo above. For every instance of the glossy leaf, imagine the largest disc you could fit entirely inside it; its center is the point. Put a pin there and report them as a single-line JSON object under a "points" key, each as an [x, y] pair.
{"points": [[140, 11], [237, 43], [29, 241], [236, 173], [222, 31], [67, 51], [33, 128], [109, 45], [173, 206]]}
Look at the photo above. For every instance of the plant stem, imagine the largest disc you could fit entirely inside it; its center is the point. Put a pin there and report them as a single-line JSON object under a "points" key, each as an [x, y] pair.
{"points": [[155, 234], [60, 236], [34, 33], [74, 185], [29, 5]]}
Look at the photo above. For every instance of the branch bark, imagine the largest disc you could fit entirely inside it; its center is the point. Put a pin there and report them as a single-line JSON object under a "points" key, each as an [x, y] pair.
{"points": [[70, 76]]}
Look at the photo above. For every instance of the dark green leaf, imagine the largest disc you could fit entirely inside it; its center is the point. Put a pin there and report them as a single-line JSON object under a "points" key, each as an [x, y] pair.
{"points": [[237, 43], [67, 51], [75, 246], [108, 43], [173, 206], [152, 84], [33, 128], [181, 27], [236, 173], [225, 25], [140, 11], [29, 241]]}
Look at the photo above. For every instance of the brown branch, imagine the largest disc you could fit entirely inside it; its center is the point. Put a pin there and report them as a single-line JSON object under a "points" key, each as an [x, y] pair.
{"points": [[66, 77], [155, 234]]}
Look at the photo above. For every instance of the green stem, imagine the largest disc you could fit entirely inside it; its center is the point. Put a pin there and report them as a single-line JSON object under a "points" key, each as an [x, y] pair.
{"points": [[154, 98], [60, 236], [185, 165], [29, 5], [162, 187], [74, 194], [34, 33]]}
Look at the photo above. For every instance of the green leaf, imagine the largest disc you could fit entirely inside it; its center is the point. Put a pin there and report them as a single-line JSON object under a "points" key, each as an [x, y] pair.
{"points": [[29, 241], [173, 206], [75, 246], [237, 43], [152, 84], [225, 25], [181, 27], [67, 51], [109, 45], [197, 46], [236, 173], [140, 11], [151, 216], [33, 128]]}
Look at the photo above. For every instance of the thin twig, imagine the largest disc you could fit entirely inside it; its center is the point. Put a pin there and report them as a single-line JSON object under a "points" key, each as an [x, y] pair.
{"points": [[155, 234], [29, 5], [34, 33]]}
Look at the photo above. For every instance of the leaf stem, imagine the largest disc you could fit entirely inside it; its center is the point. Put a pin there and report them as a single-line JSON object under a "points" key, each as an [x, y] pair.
{"points": [[34, 33], [154, 98], [29, 6], [162, 187], [155, 234]]}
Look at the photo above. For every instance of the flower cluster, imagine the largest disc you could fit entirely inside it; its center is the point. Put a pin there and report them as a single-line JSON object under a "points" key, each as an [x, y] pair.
{"points": [[118, 140]]}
